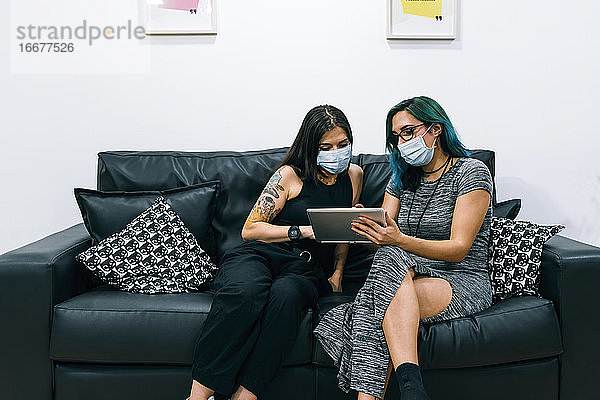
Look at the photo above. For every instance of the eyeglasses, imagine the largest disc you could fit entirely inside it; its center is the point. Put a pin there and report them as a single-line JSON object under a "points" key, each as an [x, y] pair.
{"points": [[407, 132]]}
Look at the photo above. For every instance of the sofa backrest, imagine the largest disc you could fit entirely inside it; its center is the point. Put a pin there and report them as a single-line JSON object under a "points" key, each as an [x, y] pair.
{"points": [[242, 175]]}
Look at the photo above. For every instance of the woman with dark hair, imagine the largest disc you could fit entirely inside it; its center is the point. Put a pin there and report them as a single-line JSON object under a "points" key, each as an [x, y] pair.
{"points": [[264, 286], [432, 263]]}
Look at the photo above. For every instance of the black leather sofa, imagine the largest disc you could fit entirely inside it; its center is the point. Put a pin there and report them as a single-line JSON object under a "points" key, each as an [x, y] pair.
{"points": [[64, 336]]}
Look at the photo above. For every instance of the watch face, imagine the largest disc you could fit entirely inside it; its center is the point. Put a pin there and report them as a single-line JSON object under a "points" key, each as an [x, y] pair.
{"points": [[294, 233]]}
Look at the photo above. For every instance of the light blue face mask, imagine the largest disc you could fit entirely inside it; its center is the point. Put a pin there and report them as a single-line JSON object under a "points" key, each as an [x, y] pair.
{"points": [[415, 151], [335, 161]]}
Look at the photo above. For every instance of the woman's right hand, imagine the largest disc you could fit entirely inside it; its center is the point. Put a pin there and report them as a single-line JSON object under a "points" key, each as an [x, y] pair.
{"points": [[306, 232], [358, 205]]}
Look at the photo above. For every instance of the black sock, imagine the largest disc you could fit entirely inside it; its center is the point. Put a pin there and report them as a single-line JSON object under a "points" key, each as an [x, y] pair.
{"points": [[409, 377]]}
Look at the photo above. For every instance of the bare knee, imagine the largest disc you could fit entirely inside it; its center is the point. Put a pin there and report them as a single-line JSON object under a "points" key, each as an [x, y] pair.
{"points": [[405, 299], [408, 279], [434, 295]]}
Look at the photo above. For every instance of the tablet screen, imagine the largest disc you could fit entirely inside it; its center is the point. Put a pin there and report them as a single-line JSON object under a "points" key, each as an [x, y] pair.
{"points": [[333, 225]]}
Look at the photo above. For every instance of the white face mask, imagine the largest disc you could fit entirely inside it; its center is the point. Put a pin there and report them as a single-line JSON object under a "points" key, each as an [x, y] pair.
{"points": [[415, 151], [335, 161]]}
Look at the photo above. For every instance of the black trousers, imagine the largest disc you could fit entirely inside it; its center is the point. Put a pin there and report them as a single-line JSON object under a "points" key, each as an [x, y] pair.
{"points": [[262, 291]]}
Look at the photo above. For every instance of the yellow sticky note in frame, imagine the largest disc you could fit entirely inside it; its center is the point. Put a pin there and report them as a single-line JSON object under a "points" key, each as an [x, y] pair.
{"points": [[424, 8]]}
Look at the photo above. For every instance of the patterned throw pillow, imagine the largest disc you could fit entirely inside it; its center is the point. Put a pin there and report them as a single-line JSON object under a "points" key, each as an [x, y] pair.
{"points": [[154, 253], [515, 256]]}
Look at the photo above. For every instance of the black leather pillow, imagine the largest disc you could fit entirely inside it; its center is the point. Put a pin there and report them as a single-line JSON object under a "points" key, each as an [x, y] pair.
{"points": [[507, 209], [105, 213]]}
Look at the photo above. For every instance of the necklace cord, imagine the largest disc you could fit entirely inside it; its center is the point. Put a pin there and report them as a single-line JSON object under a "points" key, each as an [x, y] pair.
{"points": [[436, 170], [426, 204]]}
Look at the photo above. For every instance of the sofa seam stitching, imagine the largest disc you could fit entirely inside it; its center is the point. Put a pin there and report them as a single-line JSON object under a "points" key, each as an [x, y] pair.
{"points": [[129, 311], [279, 150]]}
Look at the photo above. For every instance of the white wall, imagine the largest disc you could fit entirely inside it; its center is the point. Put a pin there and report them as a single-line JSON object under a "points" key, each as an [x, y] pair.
{"points": [[522, 79]]}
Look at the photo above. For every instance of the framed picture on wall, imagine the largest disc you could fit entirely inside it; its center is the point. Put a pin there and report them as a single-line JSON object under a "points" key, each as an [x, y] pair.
{"points": [[421, 19], [179, 17]]}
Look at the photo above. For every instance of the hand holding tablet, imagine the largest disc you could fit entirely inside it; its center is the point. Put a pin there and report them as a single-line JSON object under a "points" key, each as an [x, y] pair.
{"points": [[334, 225]]}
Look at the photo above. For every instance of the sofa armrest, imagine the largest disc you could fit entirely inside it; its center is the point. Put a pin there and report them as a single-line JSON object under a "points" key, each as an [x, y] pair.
{"points": [[570, 275], [33, 279]]}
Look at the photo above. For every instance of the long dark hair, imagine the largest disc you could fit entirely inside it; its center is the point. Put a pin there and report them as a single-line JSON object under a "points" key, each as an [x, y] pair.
{"points": [[426, 110], [302, 156]]}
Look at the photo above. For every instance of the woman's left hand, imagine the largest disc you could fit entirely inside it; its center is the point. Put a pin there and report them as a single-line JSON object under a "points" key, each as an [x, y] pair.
{"points": [[335, 281], [371, 230]]}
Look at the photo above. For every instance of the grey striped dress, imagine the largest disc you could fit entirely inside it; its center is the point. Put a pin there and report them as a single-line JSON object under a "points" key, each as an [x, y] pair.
{"points": [[352, 333]]}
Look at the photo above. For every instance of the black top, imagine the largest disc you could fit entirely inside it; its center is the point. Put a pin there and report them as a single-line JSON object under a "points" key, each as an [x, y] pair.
{"points": [[316, 195]]}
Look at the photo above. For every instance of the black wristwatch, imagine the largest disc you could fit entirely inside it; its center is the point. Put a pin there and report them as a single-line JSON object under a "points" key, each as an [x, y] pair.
{"points": [[294, 233]]}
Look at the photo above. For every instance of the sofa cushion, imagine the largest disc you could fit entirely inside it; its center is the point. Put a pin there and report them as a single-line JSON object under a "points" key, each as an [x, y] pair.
{"points": [[516, 329], [515, 256], [154, 253], [110, 326], [376, 175], [507, 208], [105, 213]]}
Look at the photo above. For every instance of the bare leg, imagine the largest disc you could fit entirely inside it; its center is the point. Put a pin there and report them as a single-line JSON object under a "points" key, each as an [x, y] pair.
{"points": [[401, 323], [400, 326], [243, 394], [200, 392], [364, 396]]}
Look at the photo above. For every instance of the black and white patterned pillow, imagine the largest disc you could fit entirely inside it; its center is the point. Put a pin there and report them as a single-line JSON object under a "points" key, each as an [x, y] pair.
{"points": [[515, 256], [154, 253]]}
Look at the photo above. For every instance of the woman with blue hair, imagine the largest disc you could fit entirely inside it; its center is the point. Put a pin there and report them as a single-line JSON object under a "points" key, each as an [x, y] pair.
{"points": [[432, 263]]}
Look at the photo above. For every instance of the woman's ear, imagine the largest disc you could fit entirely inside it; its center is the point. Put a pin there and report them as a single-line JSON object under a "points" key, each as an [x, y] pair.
{"points": [[436, 129]]}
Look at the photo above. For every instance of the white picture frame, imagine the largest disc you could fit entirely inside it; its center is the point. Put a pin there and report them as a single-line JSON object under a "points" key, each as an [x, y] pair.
{"points": [[419, 19], [178, 17]]}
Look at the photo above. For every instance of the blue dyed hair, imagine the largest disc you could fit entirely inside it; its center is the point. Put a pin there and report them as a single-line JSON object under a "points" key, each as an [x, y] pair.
{"points": [[428, 111]]}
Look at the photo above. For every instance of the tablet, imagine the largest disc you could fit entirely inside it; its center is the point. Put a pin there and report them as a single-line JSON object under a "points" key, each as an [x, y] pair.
{"points": [[333, 225]]}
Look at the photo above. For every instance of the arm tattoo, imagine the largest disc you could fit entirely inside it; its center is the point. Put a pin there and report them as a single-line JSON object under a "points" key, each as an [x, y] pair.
{"points": [[266, 205], [273, 185], [264, 210]]}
